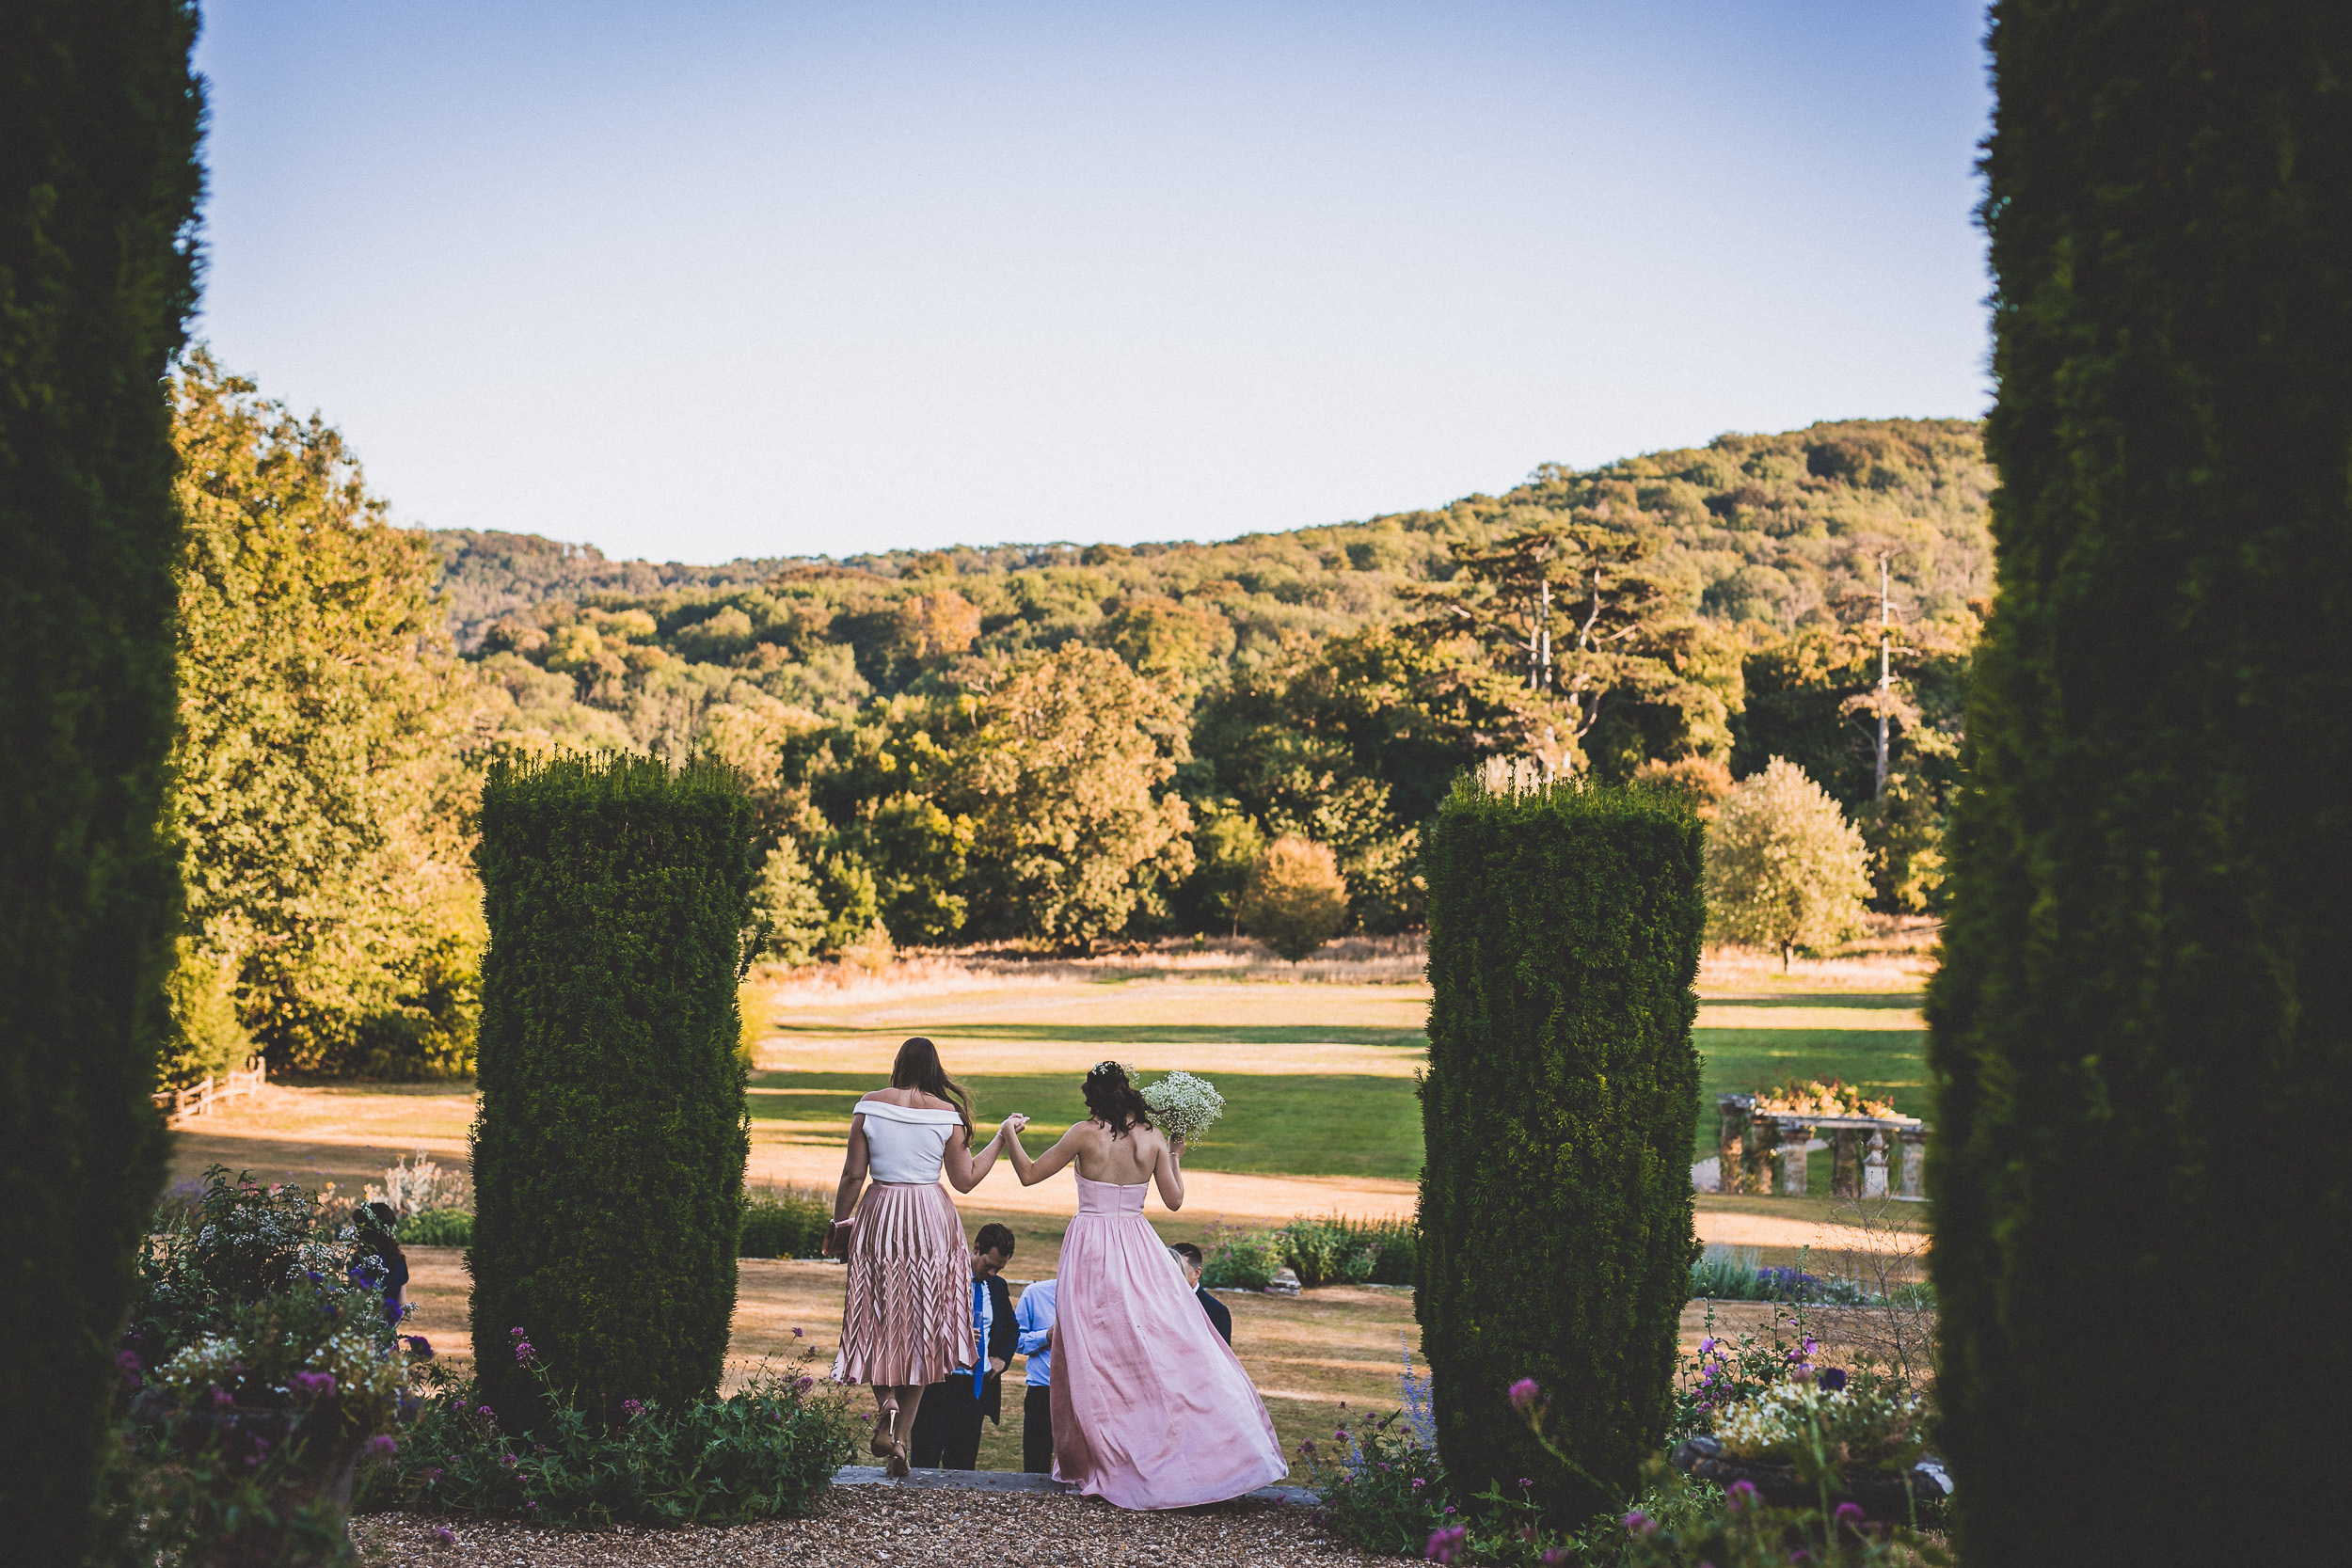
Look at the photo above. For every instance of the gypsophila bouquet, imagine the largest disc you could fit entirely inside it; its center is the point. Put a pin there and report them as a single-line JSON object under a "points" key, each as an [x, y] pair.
{"points": [[1185, 1107]]}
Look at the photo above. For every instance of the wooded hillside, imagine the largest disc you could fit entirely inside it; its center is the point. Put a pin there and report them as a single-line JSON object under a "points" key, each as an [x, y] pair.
{"points": [[1053, 743]]}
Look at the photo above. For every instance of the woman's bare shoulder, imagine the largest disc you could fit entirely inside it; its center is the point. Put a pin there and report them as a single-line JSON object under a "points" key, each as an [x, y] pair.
{"points": [[908, 1097], [922, 1102]]}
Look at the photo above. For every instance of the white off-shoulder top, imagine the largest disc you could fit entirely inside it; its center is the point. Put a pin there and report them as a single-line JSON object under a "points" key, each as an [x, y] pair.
{"points": [[904, 1144]]}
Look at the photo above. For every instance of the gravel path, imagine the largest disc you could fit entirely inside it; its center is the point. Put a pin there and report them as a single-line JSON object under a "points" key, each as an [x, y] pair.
{"points": [[902, 1528]]}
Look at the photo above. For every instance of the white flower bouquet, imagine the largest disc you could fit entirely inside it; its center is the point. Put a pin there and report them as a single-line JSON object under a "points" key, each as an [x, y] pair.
{"points": [[1185, 1107]]}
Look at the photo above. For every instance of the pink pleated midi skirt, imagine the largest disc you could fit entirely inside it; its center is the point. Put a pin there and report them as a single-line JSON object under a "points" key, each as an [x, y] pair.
{"points": [[908, 1318]]}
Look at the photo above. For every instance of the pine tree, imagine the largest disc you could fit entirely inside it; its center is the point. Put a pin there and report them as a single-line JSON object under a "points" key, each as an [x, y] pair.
{"points": [[99, 182]]}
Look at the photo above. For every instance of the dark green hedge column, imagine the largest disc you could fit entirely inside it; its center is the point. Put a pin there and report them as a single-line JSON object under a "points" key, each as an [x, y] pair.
{"points": [[2142, 1032], [607, 1159], [99, 183], [1558, 1114]]}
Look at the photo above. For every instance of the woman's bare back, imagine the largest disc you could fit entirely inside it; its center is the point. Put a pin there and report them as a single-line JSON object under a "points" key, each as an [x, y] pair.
{"points": [[1127, 1159]]}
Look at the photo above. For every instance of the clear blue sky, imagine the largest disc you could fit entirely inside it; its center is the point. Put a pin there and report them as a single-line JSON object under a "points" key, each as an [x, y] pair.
{"points": [[693, 280]]}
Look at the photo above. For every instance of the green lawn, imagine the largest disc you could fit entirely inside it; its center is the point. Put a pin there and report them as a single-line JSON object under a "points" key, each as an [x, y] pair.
{"points": [[1356, 1124], [1880, 1061], [1286, 1124]]}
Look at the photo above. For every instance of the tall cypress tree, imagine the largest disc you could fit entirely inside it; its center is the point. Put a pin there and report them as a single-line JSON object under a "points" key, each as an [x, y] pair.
{"points": [[99, 183], [609, 1153], [2142, 1032], [1557, 1114]]}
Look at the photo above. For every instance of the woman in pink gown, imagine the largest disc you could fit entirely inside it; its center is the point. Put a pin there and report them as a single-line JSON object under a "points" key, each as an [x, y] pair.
{"points": [[1151, 1407]]}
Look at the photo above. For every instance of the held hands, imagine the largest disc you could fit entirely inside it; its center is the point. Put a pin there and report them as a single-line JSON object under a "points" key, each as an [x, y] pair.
{"points": [[1011, 1126]]}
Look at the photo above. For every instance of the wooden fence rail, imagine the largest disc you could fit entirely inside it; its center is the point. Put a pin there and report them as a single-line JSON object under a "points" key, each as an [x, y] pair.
{"points": [[198, 1101]]}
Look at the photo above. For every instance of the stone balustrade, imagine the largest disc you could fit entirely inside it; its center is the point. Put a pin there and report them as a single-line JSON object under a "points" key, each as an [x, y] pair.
{"points": [[1764, 1152]]}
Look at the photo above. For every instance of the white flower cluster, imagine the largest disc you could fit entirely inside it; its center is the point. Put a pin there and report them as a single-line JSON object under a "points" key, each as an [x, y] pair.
{"points": [[1794, 1417], [1185, 1107]]}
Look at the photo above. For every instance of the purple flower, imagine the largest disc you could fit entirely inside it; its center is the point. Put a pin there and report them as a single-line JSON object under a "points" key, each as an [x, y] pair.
{"points": [[1526, 1481], [1639, 1523], [1739, 1495], [800, 1334], [432, 1475], [506, 1459], [523, 1352], [445, 1535], [1445, 1544], [383, 1446], [1418, 1484], [632, 1409], [1559, 1554], [312, 1385], [420, 1347], [1307, 1448], [1831, 1378], [1850, 1513], [484, 1412], [515, 1333], [1524, 1393]]}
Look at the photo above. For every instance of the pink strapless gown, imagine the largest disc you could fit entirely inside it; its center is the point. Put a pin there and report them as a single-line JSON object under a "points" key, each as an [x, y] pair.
{"points": [[1151, 1407]]}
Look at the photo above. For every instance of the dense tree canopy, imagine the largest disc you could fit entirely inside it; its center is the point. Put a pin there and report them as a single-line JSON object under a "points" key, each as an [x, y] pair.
{"points": [[318, 792], [1718, 604]]}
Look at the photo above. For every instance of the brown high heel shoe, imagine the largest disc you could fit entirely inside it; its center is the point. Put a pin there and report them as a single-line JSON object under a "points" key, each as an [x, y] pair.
{"points": [[897, 1465], [881, 1444]]}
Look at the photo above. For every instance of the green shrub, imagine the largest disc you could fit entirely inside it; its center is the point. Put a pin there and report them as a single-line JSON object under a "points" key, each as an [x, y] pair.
{"points": [[1558, 1113], [765, 1452], [1297, 899], [437, 1227], [785, 1223], [608, 1157], [1240, 1260], [2142, 1032], [99, 180]]}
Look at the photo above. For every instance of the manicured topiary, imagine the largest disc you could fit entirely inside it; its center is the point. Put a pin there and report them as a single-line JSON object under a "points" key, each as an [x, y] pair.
{"points": [[608, 1158], [2142, 1032], [1558, 1112], [98, 181]]}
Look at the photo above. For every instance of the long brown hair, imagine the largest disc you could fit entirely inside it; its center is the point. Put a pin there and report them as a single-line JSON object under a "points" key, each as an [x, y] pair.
{"points": [[917, 1068]]}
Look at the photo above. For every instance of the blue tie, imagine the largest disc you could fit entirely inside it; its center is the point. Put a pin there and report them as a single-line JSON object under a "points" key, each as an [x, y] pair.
{"points": [[980, 1334]]}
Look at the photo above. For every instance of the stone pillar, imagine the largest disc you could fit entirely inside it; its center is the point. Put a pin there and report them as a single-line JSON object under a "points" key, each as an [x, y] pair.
{"points": [[1845, 1181], [1874, 1166], [1731, 1144], [1914, 1162], [1793, 1137]]}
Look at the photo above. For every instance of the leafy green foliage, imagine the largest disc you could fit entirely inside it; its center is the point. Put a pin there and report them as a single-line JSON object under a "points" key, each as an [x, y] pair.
{"points": [[784, 901], [318, 794], [1785, 869], [784, 1224], [1559, 1106], [608, 1157], [848, 693], [1057, 779], [1296, 899], [765, 1452], [98, 181], [2142, 1029]]}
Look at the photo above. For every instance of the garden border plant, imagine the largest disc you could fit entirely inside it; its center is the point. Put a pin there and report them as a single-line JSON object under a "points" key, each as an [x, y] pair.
{"points": [[1556, 1211]]}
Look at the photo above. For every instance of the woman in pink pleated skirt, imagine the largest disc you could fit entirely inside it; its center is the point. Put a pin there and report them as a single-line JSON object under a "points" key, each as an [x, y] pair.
{"points": [[907, 1323]]}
